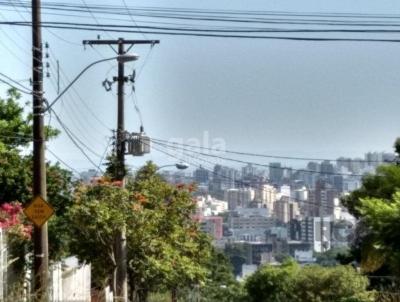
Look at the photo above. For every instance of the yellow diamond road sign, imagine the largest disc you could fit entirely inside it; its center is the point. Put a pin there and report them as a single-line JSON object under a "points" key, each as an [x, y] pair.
{"points": [[38, 211]]}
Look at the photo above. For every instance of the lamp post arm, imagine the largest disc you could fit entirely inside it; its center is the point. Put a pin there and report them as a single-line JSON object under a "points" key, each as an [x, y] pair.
{"points": [[165, 166], [74, 80]]}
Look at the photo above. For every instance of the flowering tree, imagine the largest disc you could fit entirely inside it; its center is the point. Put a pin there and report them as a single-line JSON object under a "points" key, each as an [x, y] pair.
{"points": [[18, 232], [166, 250]]}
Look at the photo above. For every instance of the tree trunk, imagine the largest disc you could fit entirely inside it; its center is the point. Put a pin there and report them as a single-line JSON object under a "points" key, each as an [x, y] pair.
{"points": [[174, 296], [144, 296]]}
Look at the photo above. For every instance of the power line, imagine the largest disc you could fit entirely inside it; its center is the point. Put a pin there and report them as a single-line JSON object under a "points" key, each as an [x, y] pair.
{"points": [[200, 12], [79, 125], [179, 145], [103, 157], [208, 35], [14, 81], [16, 88], [257, 164], [200, 29], [131, 17], [94, 17], [63, 162], [244, 184], [74, 141], [82, 101]]}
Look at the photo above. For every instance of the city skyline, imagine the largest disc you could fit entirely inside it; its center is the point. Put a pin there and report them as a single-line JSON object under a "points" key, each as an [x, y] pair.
{"points": [[294, 98]]}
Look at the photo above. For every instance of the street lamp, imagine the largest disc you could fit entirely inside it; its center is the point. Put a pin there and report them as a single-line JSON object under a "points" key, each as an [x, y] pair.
{"points": [[120, 58], [179, 166]]}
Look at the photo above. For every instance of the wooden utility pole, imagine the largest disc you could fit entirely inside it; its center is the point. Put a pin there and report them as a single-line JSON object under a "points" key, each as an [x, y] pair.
{"points": [[40, 240], [120, 279]]}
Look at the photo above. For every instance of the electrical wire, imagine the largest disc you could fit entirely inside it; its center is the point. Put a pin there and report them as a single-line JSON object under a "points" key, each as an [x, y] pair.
{"points": [[94, 17], [16, 88], [304, 202], [103, 157], [153, 11], [75, 140], [82, 101], [63, 162], [131, 17], [257, 164], [14, 81], [179, 32], [175, 144]]}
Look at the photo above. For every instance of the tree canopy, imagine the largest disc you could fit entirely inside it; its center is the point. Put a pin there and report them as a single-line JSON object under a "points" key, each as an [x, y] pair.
{"points": [[291, 283], [165, 246], [16, 167], [376, 245]]}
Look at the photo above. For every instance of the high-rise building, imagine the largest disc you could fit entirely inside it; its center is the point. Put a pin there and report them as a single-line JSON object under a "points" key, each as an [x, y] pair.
{"points": [[300, 194], [223, 178], [321, 200], [286, 210], [201, 175], [239, 197], [248, 171], [266, 195], [232, 197], [275, 173], [281, 210], [326, 168]]}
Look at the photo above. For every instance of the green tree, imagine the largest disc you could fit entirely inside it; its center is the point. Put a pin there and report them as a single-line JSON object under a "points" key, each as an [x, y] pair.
{"points": [[272, 283], [331, 257], [220, 285], [291, 283], [368, 248], [173, 252], [334, 284], [381, 217], [97, 214], [16, 167], [237, 253], [166, 249]]}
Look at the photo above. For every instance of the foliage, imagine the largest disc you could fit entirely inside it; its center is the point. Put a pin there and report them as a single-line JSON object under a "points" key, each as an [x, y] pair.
{"points": [[15, 176], [97, 214], [16, 168], [376, 198], [220, 284], [14, 127], [291, 283], [113, 167], [382, 185], [236, 253], [332, 257], [169, 249], [340, 283], [165, 247], [381, 217], [18, 233], [272, 283]]}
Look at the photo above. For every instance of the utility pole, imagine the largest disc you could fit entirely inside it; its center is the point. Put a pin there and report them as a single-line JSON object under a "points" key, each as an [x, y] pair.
{"points": [[120, 285], [40, 239]]}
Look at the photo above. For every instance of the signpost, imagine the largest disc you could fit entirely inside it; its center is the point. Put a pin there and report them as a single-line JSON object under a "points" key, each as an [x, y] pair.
{"points": [[38, 211]]}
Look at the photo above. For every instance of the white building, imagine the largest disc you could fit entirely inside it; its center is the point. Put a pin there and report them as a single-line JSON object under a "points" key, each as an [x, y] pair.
{"points": [[209, 206], [250, 224], [266, 194]]}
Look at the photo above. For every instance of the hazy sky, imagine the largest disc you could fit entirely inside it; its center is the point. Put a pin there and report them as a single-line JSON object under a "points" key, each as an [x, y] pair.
{"points": [[323, 99]]}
